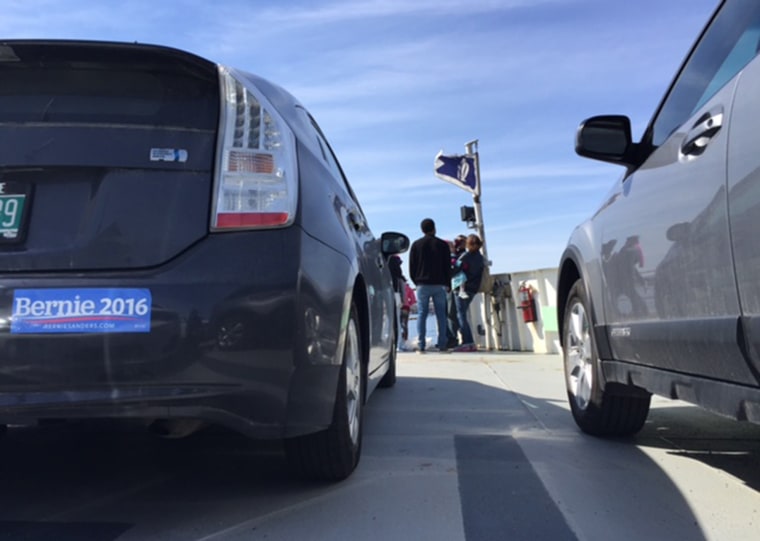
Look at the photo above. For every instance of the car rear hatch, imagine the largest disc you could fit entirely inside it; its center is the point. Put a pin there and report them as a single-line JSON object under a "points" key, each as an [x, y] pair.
{"points": [[107, 154]]}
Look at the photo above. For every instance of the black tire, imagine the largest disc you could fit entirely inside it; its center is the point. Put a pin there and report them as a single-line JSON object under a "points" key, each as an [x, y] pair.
{"points": [[389, 379], [333, 454], [612, 410]]}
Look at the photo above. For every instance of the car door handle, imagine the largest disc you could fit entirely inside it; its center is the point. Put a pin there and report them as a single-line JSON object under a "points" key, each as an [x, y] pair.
{"points": [[356, 221], [702, 132]]}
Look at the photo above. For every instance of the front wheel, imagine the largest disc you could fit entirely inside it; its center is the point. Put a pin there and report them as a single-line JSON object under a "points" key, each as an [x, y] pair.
{"points": [[612, 410], [332, 454]]}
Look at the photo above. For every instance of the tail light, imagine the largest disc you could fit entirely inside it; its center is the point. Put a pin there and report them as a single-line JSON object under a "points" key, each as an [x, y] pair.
{"points": [[255, 184]]}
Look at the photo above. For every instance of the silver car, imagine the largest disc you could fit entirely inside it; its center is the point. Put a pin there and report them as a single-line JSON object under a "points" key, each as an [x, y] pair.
{"points": [[657, 291]]}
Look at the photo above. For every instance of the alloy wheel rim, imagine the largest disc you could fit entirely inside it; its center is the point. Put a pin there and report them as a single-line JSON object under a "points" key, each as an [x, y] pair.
{"points": [[353, 382], [578, 357]]}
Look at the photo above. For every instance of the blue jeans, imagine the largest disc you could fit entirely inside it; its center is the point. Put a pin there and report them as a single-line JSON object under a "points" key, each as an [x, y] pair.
{"points": [[452, 320], [438, 294], [463, 307]]}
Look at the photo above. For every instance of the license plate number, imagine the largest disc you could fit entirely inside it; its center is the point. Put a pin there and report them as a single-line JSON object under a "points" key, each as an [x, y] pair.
{"points": [[11, 215]]}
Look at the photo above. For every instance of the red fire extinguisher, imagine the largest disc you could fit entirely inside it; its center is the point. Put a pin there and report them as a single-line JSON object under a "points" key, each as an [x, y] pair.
{"points": [[527, 304]]}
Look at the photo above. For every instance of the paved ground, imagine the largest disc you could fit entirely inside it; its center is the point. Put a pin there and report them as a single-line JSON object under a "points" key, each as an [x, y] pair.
{"points": [[472, 447]]}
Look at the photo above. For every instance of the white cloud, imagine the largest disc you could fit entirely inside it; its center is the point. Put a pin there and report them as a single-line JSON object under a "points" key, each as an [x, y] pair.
{"points": [[353, 10]]}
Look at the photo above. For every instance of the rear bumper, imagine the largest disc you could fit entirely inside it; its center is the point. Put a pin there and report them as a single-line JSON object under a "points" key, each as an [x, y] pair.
{"points": [[228, 342]]}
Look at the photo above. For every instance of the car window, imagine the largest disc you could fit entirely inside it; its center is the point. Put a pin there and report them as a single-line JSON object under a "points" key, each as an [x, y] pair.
{"points": [[82, 85], [726, 47], [327, 153], [329, 157]]}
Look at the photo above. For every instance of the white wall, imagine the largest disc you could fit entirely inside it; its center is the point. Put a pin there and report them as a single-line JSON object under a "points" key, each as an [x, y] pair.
{"points": [[508, 330]]}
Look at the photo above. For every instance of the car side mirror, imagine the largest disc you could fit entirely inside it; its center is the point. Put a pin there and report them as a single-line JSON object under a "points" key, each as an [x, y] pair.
{"points": [[606, 138], [394, 243]]}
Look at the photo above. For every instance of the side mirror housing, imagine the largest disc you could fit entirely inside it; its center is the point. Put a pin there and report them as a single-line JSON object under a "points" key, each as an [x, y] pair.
{"points": [[606, 138], [394, 243]]}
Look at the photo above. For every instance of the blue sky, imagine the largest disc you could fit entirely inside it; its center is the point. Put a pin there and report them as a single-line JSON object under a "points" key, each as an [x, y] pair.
{"points": [[392, 82]]}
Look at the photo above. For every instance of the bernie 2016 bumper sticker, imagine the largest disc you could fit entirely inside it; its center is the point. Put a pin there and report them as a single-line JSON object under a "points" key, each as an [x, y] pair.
{"points": [[80, 311]]}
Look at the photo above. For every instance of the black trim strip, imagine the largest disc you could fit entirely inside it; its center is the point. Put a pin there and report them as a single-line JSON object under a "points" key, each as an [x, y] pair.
{"points": [[704, 347], [739, 402]]}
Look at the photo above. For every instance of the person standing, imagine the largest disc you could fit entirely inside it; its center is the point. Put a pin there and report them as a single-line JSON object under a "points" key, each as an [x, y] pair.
{"points": [[407, 304], [394, 265], [404, 295], [430, 270], [457, 249], [472, 264]]}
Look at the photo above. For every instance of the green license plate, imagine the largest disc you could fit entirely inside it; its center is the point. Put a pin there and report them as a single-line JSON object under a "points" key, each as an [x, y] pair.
{"points": [[11, 216]]}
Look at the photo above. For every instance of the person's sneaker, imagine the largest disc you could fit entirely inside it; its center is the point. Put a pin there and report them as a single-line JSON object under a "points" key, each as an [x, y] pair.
{"points": [[420, 351], [466, 348], [441, 350]]}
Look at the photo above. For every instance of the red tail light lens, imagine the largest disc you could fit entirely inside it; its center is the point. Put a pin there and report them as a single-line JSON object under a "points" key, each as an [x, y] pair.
{"points": [[255, 184]]}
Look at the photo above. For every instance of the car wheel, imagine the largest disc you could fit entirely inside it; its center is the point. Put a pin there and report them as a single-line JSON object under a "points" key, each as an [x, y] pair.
{"points": [[612, 410], [332, 454], [389, 379]]}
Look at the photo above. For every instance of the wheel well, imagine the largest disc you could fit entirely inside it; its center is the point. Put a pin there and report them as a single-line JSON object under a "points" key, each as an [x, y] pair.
{"points": [[567, 277]]}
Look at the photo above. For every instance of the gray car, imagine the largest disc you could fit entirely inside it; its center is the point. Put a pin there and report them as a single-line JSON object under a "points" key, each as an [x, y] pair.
{"points": [[657, 291], [179, 244]]}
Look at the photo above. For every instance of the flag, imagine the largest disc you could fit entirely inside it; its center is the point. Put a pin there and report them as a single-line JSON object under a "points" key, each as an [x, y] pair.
{"points": [[458, 170]]}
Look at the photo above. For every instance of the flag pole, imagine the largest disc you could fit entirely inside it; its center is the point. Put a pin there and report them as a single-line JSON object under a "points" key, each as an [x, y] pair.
{"points": [[471, 148]]}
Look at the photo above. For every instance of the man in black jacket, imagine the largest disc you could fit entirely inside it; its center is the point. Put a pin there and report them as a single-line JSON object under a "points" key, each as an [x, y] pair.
{"points": [[430, 270]]}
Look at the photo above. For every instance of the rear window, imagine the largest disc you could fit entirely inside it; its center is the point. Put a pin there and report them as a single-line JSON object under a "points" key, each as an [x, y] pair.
{"points": [[89, 84]]}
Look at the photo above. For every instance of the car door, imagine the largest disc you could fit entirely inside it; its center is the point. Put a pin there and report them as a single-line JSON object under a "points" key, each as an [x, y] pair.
{"points": [[372, 264], [744, 203], [671, 295], [379, 285]]}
